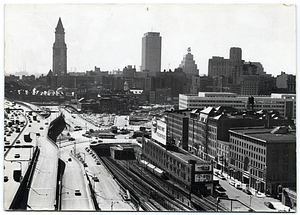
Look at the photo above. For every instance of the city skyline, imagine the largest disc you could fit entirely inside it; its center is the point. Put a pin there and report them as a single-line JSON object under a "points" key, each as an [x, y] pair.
{"points": [[108, 38]]}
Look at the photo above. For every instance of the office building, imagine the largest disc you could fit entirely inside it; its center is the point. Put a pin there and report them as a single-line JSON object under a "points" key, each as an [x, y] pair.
{"points": [[188, 64], [151, 52], [285, 104], [59, 51]]}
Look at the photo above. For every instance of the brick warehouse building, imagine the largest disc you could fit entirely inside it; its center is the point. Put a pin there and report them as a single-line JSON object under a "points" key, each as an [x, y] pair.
{"points": [[264, 158]]}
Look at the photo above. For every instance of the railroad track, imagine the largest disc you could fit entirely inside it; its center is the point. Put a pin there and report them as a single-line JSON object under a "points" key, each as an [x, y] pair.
{"points": [[154, 197], [137, 189], [206, 203]]}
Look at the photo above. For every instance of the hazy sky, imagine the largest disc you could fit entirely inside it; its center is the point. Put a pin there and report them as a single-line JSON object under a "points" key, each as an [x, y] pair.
{"points": [[109, 36]]}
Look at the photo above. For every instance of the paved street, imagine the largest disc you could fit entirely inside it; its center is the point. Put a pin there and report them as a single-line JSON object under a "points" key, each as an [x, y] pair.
{"points": [[255, 201]]}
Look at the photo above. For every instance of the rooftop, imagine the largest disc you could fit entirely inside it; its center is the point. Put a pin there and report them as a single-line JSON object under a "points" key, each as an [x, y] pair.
{"points": [[264, 134]]}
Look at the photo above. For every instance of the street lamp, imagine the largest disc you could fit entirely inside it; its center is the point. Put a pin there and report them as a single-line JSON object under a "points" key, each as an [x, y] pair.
{"points": [[250, 200]]}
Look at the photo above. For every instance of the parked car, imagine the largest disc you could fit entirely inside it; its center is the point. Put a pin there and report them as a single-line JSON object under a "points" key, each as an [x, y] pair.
{"points": [[232, 183], [17, 155], [238, 186], [269, 205], [5, 178], [247, 191], [77, 193], [219, 188]]}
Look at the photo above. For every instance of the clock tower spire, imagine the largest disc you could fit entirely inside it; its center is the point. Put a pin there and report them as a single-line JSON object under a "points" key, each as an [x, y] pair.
{"points": [[59, 51]]}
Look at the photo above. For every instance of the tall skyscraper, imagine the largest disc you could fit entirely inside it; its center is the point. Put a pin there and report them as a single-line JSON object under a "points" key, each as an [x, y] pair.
{"points": [[151, 52], [59, 51], [188, 64]]}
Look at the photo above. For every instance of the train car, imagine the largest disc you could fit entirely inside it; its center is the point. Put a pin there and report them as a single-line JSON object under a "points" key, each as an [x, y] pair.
{"points": [[154, 169], [144, 163]]}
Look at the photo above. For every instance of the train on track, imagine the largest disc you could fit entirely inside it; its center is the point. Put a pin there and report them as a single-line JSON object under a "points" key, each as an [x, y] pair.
{"points": [[155, 170]]}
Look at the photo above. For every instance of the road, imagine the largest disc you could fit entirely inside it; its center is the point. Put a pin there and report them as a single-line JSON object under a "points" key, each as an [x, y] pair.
{"points": [[14, 158], [253, 201], [107, 190], [43, 187]]}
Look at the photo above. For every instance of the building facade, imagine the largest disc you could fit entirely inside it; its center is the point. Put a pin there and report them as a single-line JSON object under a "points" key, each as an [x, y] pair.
{"points": [[264, 158], [286, 82], [59, 51], [188, 64], [285, 104], [151, 52]]}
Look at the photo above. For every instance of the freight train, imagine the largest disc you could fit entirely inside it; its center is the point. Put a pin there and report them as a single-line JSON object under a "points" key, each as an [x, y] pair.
{"points": [[155, 170]]}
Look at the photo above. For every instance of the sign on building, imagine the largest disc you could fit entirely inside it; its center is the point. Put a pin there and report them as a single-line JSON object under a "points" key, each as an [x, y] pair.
{"points": [[159, 131], [203, 167]]}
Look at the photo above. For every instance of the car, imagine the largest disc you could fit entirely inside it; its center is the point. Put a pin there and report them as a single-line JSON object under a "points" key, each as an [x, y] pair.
{"points": [[216, 173], [85, 165], [18, 141], [269, 205], [71, 139], [8, 134], [70, 159], [94, 142], [247, 191], [29, 125], [7, 142], [98, 163], [100, 141], [17, 156], [222, 177], [232, 183], [96, 179], [238, 186], [41, 128], [219, 188], [77, 192], [5, 178]]}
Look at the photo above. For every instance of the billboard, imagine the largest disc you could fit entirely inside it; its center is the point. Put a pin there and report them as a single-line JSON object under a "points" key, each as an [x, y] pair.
{"points": [[203, 167], [203, 177], [159, 131]]}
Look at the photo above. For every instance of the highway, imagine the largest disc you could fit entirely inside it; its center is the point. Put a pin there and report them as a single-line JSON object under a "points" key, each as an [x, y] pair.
{"points": [[14, 158], [107, 190], [43, 187]]}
